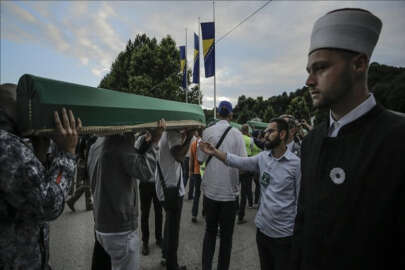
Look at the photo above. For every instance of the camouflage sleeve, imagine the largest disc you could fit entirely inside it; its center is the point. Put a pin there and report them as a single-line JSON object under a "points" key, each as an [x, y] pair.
{"points": [[34, 193]]}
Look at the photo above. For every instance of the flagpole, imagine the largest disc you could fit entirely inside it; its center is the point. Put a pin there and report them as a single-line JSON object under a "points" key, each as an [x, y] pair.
{"points": [[215, 80], [199, 69], [185, 67]]}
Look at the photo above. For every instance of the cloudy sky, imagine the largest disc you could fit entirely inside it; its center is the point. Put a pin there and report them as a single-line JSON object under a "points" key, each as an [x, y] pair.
{"points": [[76, 41]]}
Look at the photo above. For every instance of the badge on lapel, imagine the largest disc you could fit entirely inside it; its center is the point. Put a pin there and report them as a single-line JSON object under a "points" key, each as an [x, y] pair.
{"points": [[265, 181], [337, 175]]}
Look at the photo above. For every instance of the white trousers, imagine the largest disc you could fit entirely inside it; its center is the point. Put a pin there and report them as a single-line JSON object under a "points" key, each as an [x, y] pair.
{"points": [[123, 249]]}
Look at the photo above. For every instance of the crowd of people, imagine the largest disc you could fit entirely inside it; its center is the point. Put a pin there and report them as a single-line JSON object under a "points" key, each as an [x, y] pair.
{"points": [[328, 197]]}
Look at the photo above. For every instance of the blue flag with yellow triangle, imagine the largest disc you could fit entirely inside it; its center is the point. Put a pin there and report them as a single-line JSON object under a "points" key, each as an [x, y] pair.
{"points": [[196, 69], [183, 67], [208, 37]]}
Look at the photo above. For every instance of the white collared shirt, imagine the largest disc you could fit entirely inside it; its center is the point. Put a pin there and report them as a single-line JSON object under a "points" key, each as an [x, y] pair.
{"points": [[360, 110], [280, 180], [171, 168]]}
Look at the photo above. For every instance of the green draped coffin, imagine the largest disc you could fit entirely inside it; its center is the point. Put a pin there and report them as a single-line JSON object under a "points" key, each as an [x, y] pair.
{"points": [[257, 124], [102, 111]]}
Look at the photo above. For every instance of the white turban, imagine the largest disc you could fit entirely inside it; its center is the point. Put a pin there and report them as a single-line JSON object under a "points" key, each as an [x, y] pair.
{"points": [[355, 30]]}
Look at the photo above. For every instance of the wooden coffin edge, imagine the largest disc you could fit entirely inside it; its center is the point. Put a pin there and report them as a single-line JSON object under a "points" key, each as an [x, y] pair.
{"points": [[111, 130]]}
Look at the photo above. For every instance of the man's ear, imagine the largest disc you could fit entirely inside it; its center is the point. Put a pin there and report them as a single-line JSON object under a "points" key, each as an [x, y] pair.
{"points": [[283, 134], [360, 63]]}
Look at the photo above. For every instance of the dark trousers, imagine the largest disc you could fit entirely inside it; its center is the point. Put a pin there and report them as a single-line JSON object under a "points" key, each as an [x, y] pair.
{"points": [[101, 260], [171, 235], [257, 188], [82, 185], [185, 167], [274, 253], [195, 182], [147, 194], [246, 193], [222, 214]]}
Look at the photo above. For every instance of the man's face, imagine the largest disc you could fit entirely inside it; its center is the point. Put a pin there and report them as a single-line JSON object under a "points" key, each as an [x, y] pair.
{"points": [[271, 136], [329, 78]]}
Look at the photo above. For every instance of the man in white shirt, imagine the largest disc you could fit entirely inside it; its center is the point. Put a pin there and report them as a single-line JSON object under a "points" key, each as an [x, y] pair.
{"points": [[221, 188], [173, 148]]}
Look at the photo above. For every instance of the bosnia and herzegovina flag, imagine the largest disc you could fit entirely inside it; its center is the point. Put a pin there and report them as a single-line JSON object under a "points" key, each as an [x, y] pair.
{"points": [[196, 69], [183, 68], [208, 37]]}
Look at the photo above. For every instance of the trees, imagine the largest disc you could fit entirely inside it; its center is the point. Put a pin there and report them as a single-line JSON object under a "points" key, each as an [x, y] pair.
{"points": [[386, 82], [149, 68]]}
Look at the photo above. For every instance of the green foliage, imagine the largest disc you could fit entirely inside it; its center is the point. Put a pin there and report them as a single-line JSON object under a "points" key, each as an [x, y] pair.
{"points": [[149, 68], [386, 82], [388, 85]]}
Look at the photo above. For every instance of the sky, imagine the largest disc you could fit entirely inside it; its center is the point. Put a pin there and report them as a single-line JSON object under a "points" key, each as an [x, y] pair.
{"points": [[77, 41]]}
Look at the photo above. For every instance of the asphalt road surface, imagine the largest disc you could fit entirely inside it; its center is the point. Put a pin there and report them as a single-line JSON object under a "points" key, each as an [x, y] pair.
{"points": [[72, 240]]}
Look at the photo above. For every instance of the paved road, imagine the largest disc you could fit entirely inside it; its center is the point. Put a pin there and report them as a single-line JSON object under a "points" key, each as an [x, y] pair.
{"points": [[72, 242]]}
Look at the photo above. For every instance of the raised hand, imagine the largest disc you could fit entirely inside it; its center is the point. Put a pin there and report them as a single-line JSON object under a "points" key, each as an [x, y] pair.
{"points": [[207, 148], [67, 137], [157, 132]]}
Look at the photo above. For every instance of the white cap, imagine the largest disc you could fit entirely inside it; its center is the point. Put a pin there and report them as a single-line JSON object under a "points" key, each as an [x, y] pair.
{"points": [[355, 30]]}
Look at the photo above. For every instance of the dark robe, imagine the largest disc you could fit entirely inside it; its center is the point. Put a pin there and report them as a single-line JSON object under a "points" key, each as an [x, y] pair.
{"points": [[359, 223]]}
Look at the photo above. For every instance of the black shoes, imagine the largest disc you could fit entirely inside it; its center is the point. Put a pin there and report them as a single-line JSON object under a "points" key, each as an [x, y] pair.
{"points": [[145, 249], [241, 221], [89, 207], [159, 243]]}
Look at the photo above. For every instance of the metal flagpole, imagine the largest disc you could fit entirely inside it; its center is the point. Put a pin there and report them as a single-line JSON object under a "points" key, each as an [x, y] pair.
{"points": [[215, 80], [199, 65], [185, 67]]}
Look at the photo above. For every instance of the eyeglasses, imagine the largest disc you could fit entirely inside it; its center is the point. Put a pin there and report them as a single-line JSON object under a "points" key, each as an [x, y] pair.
{"points": [[269, 130]]}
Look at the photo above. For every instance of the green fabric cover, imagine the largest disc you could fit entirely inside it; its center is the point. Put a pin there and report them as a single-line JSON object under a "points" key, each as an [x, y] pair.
{"points": [[257, 124], [38, 98], [233, 124]]}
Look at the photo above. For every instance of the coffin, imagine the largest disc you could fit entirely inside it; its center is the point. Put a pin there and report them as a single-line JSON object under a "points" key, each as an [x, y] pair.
{"points": [[102, 111], [257, 124]]}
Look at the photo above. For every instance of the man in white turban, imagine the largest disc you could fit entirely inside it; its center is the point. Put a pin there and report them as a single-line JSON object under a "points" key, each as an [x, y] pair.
{"points": [[351, 205]]}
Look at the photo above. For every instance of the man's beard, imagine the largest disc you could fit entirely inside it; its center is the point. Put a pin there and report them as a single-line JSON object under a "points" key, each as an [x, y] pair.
{"points": [[343, 88], [272, 144]]}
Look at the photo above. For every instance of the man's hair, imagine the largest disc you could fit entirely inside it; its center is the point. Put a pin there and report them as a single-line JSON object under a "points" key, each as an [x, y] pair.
{"points": [[291, 121], [345, 54], [281, 125], [245, 128]]}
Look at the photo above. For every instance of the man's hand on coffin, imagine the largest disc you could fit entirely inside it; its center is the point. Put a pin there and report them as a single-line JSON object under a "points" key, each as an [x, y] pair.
{"points": [[157, 132], [67, 137]]}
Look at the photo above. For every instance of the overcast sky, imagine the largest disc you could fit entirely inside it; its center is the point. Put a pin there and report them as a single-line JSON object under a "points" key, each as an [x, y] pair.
{"points": [[76, 41]]}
